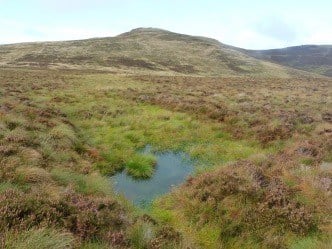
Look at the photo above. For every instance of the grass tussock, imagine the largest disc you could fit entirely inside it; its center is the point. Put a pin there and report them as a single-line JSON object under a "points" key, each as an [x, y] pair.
{"points": [[91, 184], [39, 238], [33, 175], [141, 166]]}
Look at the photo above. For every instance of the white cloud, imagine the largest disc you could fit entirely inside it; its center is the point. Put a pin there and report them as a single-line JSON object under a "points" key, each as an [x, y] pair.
{"points": [[15, 32], [266, 32], [276, 28], [320, 37]]}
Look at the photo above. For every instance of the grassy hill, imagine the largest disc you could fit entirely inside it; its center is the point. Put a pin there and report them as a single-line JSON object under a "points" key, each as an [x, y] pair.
{"points": [[141, 50], [312, 58]]}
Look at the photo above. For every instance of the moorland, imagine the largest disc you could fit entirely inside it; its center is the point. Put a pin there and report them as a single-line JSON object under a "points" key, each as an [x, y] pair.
{"points": [[74, 113]]}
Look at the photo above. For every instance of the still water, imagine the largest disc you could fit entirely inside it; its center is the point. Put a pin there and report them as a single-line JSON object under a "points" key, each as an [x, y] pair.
{"points": [[171, 170]]}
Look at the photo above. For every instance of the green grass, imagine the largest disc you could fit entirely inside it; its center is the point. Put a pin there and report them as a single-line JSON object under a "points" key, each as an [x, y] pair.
{"points": [[39, 238], [141, 166], [7, 185], [311, 243], [119, 127], [95, 245], [140, 234], [307, 161], [92, 184]]}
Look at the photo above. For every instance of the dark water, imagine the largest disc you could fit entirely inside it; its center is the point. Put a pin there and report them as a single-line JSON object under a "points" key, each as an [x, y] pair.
{"points": [[171, 170]]}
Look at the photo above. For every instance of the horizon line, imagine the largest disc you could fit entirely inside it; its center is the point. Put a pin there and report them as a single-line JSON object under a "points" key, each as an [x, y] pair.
{"points": [[160, 29]]}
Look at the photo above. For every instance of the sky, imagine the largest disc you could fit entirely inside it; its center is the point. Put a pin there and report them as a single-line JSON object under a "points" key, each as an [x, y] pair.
{"points": [[255, 24]]}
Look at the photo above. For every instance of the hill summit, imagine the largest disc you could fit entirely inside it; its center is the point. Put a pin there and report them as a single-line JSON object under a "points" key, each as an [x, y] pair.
{"points": [[145, 50]]}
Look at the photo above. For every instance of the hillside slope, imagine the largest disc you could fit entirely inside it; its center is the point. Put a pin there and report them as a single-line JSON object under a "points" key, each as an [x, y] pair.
{"points": [[312, 58], [141, 50]]}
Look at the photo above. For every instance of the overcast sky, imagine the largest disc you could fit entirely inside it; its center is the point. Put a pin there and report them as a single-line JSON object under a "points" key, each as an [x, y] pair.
{"points": [[255, 24]]}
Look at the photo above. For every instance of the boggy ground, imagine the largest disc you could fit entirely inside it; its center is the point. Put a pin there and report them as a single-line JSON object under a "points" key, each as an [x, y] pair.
{"points": [[260, 141], [272, 200], [51, 195]]}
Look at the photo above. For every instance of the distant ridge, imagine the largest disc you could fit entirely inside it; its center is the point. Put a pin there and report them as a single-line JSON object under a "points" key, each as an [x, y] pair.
{"points": [[312, 58]]}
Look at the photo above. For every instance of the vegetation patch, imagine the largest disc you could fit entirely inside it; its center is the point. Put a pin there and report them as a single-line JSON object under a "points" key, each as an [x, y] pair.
{"points": [[91, 184], [141, 165], [39, 238], [262, 147]]}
